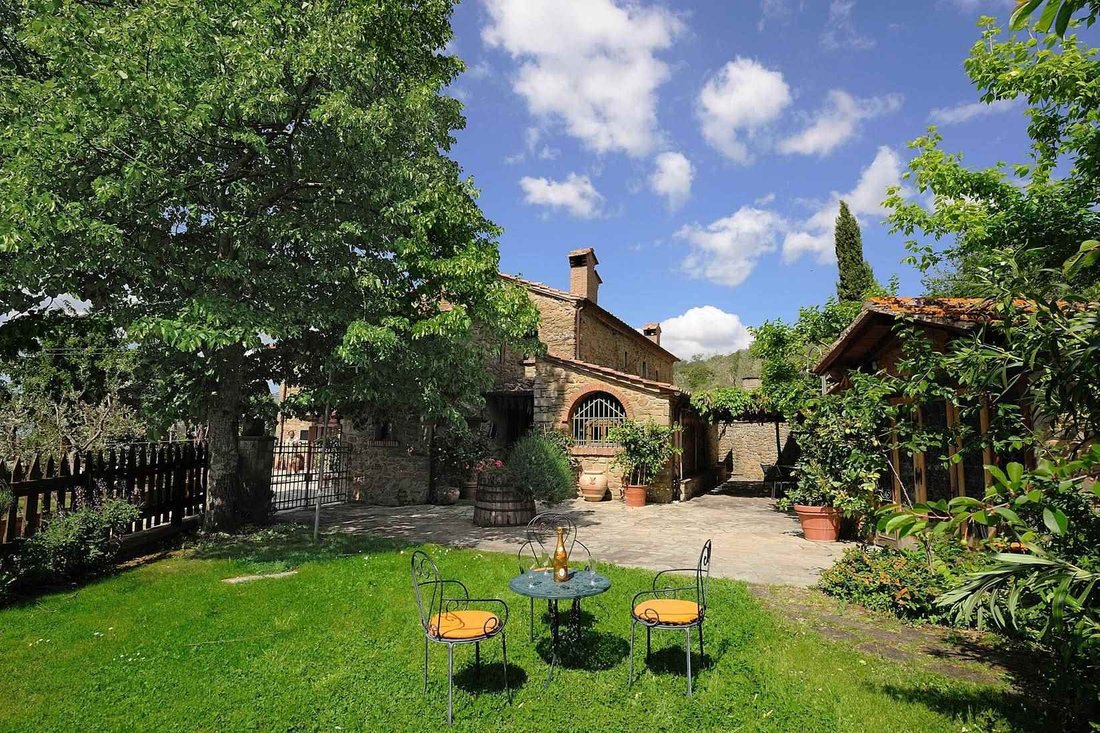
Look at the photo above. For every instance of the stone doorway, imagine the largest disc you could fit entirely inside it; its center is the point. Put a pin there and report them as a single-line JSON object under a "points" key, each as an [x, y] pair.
{"points": [[511, 415]]}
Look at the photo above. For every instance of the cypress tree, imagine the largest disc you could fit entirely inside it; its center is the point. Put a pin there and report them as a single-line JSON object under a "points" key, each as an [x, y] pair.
{"points": [[856, 277]]}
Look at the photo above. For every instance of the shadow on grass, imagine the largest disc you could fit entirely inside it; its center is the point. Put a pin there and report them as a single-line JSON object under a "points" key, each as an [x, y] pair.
{"points": [[594, 651], [1024, 712], [673, 660], [490, 678], [286, 546]]}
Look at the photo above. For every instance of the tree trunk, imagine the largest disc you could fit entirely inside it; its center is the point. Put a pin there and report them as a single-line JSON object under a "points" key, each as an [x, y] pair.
{"points": [[224, 500]]}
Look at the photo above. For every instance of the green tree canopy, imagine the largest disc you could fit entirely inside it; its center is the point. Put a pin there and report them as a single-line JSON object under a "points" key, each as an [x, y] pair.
{"points": [[856, 277], [263, 186], [1042, 210]]}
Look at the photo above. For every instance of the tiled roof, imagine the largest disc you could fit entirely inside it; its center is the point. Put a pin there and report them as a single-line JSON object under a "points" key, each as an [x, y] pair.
{"points": [[564, 295], [969, 310], [615, 373]]}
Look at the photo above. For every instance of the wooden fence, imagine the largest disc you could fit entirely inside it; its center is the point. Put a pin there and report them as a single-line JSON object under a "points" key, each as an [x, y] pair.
{"points": [[167, 482]]}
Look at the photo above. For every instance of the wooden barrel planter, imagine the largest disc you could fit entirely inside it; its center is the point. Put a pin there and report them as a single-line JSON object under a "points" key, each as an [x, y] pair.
{"points": [[500, 505]]}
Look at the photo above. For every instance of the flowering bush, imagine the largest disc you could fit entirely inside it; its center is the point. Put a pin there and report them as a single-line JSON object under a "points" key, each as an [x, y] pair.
{"points": [[458, 449]]}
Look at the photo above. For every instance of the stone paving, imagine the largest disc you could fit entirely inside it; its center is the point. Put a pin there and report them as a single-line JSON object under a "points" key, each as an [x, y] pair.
{"points": [[751, 541]]}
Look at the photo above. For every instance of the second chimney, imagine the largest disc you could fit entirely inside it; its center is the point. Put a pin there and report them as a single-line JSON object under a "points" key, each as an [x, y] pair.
{"points": [[652, 331], [583, 278]]}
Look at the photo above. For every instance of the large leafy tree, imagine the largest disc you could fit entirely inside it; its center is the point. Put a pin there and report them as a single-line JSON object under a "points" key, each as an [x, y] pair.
{"points": [[261, 185], [1042, 210], [1053, 14], [855, 275]]}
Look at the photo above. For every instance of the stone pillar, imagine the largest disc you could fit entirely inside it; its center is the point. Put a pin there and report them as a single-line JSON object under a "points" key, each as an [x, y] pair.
{"points": [[257, 453]]}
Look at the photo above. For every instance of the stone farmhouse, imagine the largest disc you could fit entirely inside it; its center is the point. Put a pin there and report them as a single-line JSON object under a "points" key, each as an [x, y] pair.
{"points": [[597, 372]]}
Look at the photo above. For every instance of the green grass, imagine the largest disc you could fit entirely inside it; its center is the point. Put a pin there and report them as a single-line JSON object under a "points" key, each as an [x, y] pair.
{"points": [[167, 646]]}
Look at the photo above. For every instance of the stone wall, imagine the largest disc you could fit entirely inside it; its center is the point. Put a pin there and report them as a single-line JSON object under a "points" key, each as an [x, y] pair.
{"points": [[743, 446], [389, 472], [604, 342], [558, 387], [557, 324]]}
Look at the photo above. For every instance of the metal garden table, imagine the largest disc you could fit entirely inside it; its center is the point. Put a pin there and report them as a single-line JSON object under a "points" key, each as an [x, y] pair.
{"points": [[539, 584]]}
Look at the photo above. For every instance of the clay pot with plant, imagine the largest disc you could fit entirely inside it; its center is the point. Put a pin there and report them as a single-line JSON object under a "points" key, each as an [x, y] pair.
{"points": [[812, 502], [645, 450]]}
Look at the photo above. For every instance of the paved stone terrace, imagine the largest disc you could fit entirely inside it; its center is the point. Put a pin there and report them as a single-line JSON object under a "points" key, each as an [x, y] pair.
{"points": [[752, 542]]}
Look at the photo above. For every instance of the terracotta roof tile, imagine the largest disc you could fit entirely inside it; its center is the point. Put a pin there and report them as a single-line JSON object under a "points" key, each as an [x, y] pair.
{"points": [[625, 376], [972, 310]]}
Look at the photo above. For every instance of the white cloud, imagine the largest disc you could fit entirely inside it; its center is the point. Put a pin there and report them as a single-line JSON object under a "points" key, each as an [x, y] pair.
{"points": [[575, 194], [704, 330], [840, 31], [765, 199], [588, 64], [531, 148], [837, 122], [814, 236], [726, 250], [966, 112], [741, 98], [772, 11], [672, 178]]}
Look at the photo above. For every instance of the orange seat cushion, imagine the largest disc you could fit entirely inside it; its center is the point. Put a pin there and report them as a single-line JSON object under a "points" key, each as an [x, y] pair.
{"points": [[464, 624], [667, 611]]}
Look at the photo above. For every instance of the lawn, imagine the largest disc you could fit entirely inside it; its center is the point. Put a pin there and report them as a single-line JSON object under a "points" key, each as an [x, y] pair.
{"points": [[168, 646]]}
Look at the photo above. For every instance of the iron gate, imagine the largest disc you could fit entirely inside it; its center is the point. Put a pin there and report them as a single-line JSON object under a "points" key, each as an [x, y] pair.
{"points": [[301, 469]]}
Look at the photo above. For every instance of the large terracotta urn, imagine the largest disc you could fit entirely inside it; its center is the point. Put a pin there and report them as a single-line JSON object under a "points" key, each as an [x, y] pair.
{"points": [[593, 484]]}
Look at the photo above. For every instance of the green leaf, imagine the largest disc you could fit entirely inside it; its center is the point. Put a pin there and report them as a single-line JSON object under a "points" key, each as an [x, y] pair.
{"points": [[1047, 17], [1055, 520], [1018, 20], [1085, 257], [1064, 15]]}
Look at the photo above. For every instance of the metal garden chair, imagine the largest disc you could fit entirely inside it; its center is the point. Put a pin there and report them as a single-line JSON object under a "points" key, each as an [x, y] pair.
{"points": [[537, 551], [447, 617], [673, 607]]}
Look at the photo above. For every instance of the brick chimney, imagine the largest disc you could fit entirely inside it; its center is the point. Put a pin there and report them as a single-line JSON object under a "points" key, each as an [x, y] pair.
{"points": [[583, 278], [652, 331]]}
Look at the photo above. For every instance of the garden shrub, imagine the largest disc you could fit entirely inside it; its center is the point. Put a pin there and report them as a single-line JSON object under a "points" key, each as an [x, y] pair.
{"points": [[540, 468], [905, 582], [77, 542], [9, 572]]}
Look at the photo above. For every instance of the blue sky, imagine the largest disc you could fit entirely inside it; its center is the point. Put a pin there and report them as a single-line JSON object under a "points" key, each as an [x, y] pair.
{"points": [[700, 147]]}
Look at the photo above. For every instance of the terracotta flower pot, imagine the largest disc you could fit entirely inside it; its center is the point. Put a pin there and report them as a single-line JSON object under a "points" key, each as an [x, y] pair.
{"points": [[593, 485], [634, 496], [819, 523]]}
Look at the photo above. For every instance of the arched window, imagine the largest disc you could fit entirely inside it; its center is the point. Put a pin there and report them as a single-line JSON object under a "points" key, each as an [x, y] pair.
{"points": [[594, 416]]}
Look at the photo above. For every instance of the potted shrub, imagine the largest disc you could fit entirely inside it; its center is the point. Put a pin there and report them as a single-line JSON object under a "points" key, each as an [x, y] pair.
{"points": [[812, 503], [498, 503], [645, 449]]}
